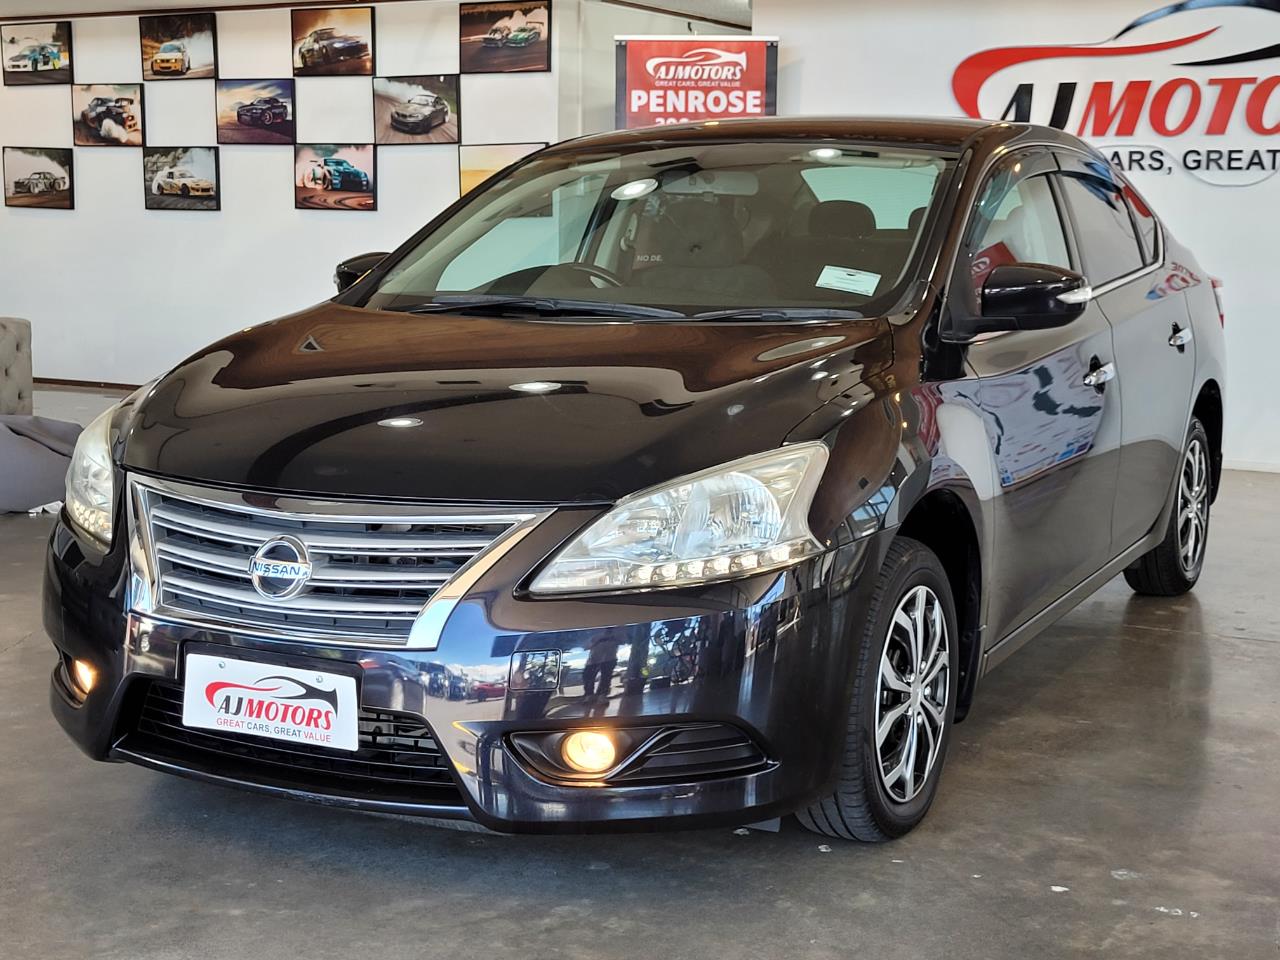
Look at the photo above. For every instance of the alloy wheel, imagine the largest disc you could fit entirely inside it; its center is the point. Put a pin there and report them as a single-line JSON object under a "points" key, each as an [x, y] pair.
{"points": [[1193, 507], [913, 686]]}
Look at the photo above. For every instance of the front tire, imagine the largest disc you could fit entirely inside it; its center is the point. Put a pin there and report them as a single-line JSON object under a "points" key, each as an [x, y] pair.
{"points": [[904, 695], [1172, 568]]}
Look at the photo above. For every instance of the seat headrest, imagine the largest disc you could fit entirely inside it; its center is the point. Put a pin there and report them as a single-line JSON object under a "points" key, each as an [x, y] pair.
{"points": [[841, 218], [698, 233], [916, 218]]}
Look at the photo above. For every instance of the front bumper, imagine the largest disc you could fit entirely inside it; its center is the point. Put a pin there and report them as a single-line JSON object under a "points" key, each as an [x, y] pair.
{"points": [[769, 658], [413, 123], [166, 66]]}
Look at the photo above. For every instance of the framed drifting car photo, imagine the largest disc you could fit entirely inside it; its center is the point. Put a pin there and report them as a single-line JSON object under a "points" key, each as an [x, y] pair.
{"points": [[179, 46], [36, 53], [255, 111], [477, 163], [107, 114], [39, 177], [333, 41], [416, 109], [335, 176], [505, 37], [181, 178]]}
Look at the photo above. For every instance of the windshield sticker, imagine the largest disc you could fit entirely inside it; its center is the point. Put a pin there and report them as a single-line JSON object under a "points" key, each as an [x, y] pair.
{"points": [[862, 282]]}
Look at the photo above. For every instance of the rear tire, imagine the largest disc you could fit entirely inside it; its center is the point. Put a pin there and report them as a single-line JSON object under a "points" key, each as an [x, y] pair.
{"points": [[1172, 568], [888, 782]]}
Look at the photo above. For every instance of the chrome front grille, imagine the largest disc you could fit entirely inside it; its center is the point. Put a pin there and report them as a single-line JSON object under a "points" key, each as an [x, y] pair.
{"points": [[374, 567]]}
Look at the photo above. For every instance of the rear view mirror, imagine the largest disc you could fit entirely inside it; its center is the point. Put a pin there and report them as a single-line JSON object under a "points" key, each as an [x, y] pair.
{"points": [[352, 269], [1031, 296], [723, 183]]}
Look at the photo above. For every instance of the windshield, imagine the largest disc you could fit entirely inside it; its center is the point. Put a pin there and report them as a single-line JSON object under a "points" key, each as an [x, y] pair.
{"points": [[692, 228], [171, 47]]}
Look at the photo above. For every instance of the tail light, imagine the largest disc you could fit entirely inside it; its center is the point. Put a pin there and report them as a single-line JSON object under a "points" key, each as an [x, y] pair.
{"points": [[1217, 296]]}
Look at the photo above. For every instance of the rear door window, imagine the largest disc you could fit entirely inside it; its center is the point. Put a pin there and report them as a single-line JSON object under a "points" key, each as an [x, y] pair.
{"points": [[1104, 230], [1145, 222]]}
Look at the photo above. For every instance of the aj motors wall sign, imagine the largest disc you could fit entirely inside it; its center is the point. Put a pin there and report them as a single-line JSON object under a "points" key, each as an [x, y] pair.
{"points": [[1192, 86], [674, 79]]}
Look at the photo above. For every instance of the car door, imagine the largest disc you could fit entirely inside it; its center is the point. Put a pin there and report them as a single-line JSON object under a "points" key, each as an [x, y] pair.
{"points": [[1122, 249], [1054, 437]]}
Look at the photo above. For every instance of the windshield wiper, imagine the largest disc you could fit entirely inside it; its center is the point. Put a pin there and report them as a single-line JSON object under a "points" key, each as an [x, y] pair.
{"points": [[543, 306], [769, 315]]}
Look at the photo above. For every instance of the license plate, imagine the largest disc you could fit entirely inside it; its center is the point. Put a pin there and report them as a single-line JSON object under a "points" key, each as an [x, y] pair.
{"points": [[265, 700]]}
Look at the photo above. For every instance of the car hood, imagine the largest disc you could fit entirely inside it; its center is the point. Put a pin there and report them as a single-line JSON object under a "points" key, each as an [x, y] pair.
{"points": [[300, 404]]}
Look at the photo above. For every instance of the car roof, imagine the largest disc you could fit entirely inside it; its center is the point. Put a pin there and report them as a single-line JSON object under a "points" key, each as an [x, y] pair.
{"points": [[949, 134]]}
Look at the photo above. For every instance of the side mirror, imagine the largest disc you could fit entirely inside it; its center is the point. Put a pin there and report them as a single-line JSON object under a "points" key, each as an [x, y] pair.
{"points": [[352, 269], [1031, 296]]}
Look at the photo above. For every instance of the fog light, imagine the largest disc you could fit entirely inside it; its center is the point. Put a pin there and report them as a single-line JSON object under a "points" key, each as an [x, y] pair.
{"points": [[85, 675], [589, 751]]}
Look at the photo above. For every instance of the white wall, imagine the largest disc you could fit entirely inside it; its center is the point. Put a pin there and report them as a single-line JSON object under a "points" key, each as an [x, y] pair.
{"points": [[118, 293], [899, 58]]}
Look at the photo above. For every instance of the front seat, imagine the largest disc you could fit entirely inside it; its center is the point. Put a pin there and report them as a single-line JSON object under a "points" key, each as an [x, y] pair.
{"points": [[837, 237], [702, 250]]}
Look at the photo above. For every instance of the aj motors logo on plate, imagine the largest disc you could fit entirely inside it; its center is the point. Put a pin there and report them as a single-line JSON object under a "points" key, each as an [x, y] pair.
{"points": [[265, 700], [281, 568]]}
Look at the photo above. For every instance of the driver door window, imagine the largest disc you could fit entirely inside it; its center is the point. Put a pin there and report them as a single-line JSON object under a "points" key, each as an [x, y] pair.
{"points": [[1021, 224]]}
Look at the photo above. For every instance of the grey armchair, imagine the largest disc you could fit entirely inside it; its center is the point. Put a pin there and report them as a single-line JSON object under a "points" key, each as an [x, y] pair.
{"points": [[15, 366]]}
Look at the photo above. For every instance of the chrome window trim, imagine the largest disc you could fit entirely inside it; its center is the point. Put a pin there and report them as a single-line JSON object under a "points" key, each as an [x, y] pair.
{"points": [[143, 596]]}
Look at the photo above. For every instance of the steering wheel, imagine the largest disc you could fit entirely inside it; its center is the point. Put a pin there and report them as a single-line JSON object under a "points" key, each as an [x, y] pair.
{"points": [[607, 277]]}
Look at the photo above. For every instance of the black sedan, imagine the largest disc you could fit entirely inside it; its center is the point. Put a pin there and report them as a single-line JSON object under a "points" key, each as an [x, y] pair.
{"points": [[263, 112], [740, 452]]}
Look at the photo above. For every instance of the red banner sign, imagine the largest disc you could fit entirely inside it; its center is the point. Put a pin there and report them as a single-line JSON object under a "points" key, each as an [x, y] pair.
{"points": [[675, 79]]}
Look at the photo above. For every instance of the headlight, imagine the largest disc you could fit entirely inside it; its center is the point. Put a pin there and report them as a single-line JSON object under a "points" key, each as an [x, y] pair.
{"points": [[89, 480], [734, 520]]}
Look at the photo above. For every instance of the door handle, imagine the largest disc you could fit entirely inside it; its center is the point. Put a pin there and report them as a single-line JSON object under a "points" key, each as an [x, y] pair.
{"points": [[1099, 375], [1180, 337]]}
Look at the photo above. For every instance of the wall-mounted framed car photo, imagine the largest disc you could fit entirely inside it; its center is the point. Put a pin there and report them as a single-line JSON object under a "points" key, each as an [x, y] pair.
{"points": [[421, 109], [335, 176], [32, 53], [505, 37], [478, 162], [181, 46], [39, 177], [107, 114], [333, 41], [181, 178], [255, 111]]}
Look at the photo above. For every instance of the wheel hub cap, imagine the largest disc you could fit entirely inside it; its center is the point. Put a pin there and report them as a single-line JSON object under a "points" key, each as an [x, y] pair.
{"points": [[912, 691], [1193, 507]]}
